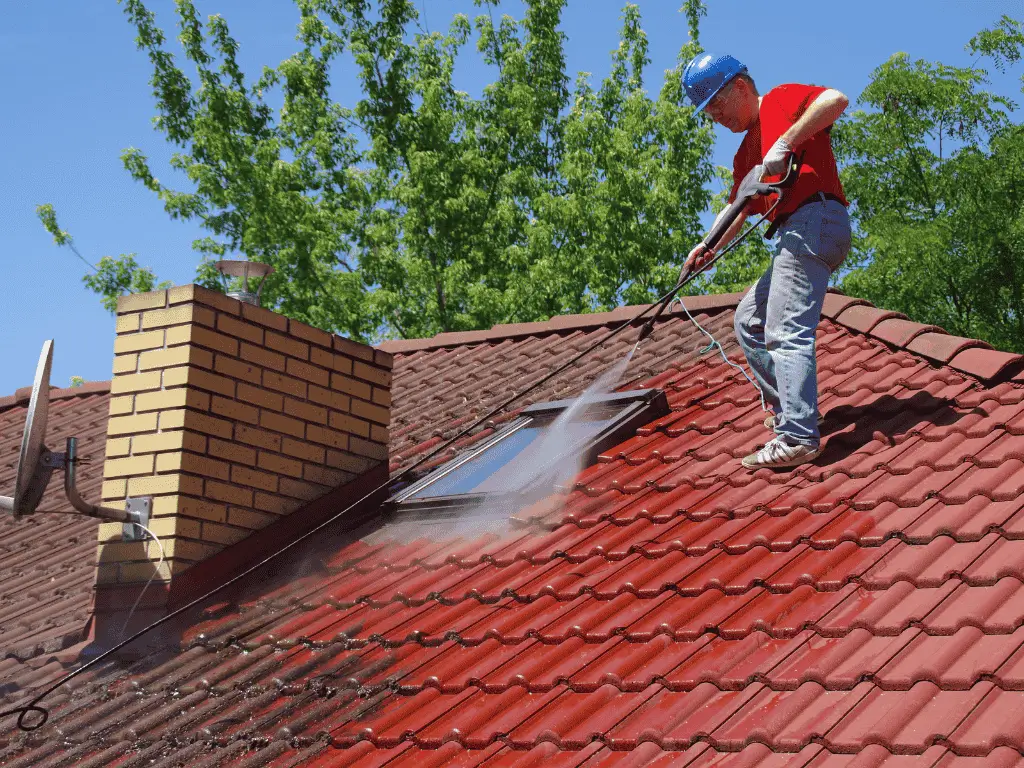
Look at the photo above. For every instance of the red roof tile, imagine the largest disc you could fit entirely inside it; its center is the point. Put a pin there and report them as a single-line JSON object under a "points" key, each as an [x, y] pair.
{"points": [[679, 610]]}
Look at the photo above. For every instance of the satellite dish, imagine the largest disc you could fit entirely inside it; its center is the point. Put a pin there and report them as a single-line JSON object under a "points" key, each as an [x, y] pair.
{"points": [[36, 462], [33, 474]]}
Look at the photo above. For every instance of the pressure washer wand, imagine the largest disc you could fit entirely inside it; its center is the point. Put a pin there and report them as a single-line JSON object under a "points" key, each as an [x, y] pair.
{"points": [[750, 187]]}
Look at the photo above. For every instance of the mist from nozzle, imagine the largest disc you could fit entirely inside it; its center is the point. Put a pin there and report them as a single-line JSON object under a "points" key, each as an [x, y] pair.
{"points": [[543, 470]]}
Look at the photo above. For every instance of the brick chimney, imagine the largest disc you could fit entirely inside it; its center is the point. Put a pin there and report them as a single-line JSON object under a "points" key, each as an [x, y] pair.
{"points": [[230, 417]]}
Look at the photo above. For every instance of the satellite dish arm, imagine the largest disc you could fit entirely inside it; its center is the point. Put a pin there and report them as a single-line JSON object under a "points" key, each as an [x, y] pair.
{"points": [[80, 504]]}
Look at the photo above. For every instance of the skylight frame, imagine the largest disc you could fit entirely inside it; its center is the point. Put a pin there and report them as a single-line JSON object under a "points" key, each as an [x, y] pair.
{"points": [[638, 407]]}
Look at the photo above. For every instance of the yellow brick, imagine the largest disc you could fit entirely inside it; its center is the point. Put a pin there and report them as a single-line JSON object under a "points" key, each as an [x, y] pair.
{"points": [[128, 323], [262, 357], [204, 337], [302, 450], [261, 438], [149, 486], [136, 342], [350, 424], [379, 434], [137, 302], [382, 397], [346, 461], [309, 333], [286, 384], [232, 452], [329, 437], [131, 425], [308, 372], [372, 412], [305, 411], [183, 313], [285, 424], [211, 382], [172, 398], [265, 317], [353, 348], [168, 441], [114, 490], [173, 356], [134, 465], [368, 449], [237, 369], [119, 406], [245, 518], [185, 549], [135, 382], [335, 400], [172, 419], [107, 573], [326, 476], [241, 329], [118, 447], [273, 462], [121, 551], [223, 534], [217, 300], [234, 410], [208, 425], [136, 572], [194, 463], [259, 396], [200, 509], [232, 494], [350, 386], [175, 526], [298, 489], [278, 505], [369, 373], [110, 531], [250, 477], [126, 364], [287, 345]]}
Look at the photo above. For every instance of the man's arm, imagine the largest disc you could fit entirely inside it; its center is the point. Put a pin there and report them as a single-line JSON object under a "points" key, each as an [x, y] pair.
{"points": [[818, 116], [699, 256], [821, 113]]}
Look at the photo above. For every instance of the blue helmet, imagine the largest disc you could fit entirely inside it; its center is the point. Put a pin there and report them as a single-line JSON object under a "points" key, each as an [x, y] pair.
{"points": [[707, 74]]}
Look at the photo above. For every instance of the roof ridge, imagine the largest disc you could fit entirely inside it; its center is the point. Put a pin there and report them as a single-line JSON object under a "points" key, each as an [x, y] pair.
{"points": [[971, 356], [22, 395], [556, 323]]}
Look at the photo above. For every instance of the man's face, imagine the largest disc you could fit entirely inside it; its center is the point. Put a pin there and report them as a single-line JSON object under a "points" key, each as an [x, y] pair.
{"points": [[730, 107]]}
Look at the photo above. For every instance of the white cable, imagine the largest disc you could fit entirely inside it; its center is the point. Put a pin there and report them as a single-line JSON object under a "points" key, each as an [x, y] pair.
{"points": [[714, 343], [139, 598]]}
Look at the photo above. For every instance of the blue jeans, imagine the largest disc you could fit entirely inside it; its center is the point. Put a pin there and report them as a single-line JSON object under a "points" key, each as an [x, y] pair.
{"points": [[776, 321]]}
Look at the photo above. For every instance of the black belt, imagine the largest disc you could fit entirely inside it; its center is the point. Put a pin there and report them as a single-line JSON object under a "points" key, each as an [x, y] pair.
{"points": [[817, 197]]}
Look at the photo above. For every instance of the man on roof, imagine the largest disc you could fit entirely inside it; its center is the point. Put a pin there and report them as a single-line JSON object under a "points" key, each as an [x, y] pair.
{"points": [[776, 321]]}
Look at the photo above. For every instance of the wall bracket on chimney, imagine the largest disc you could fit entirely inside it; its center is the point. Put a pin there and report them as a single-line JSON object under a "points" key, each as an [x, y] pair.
{"points": [[141, 507]]}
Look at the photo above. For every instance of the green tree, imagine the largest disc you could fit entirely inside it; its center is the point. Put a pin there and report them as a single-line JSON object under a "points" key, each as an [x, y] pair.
{"points": [[416, 207], [113, 276], [934, 167]]}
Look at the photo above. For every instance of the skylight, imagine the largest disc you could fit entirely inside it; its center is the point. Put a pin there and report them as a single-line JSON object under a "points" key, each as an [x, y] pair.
{"points": [[526, 456]]}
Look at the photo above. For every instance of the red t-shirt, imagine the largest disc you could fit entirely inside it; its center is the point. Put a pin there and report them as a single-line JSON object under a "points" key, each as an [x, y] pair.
{"points": [[780, 108]]}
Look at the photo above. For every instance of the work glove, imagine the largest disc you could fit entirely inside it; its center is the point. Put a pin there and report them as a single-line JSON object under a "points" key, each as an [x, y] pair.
{"points": [[777, 158], [696, 260]]}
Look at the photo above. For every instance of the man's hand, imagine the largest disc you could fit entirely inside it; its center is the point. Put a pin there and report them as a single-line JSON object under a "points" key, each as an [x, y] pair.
{"points": [[697, 260], [777, 157]]}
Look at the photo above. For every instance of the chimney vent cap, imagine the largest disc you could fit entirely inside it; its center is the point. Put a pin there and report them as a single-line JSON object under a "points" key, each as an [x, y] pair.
{"points": [[245, 270]]}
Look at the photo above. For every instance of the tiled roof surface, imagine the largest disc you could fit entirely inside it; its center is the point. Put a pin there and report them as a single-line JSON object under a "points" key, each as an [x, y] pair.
{"points": [[48, 562], [678, 611]]}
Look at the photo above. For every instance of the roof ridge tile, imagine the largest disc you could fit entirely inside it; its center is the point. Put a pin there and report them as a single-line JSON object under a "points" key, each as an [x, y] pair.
{"points": [[22, 395]]}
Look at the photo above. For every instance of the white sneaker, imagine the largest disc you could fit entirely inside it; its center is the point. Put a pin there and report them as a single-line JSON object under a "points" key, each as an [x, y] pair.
{"points": [[769, 422], [777, 454]]}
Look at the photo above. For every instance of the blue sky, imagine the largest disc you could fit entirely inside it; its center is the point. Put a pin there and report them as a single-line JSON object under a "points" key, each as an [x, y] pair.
{"points": [[76, 94]]}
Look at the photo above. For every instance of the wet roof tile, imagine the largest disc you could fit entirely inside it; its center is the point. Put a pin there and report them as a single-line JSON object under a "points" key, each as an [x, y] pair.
{"points": [[676, 610]]}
